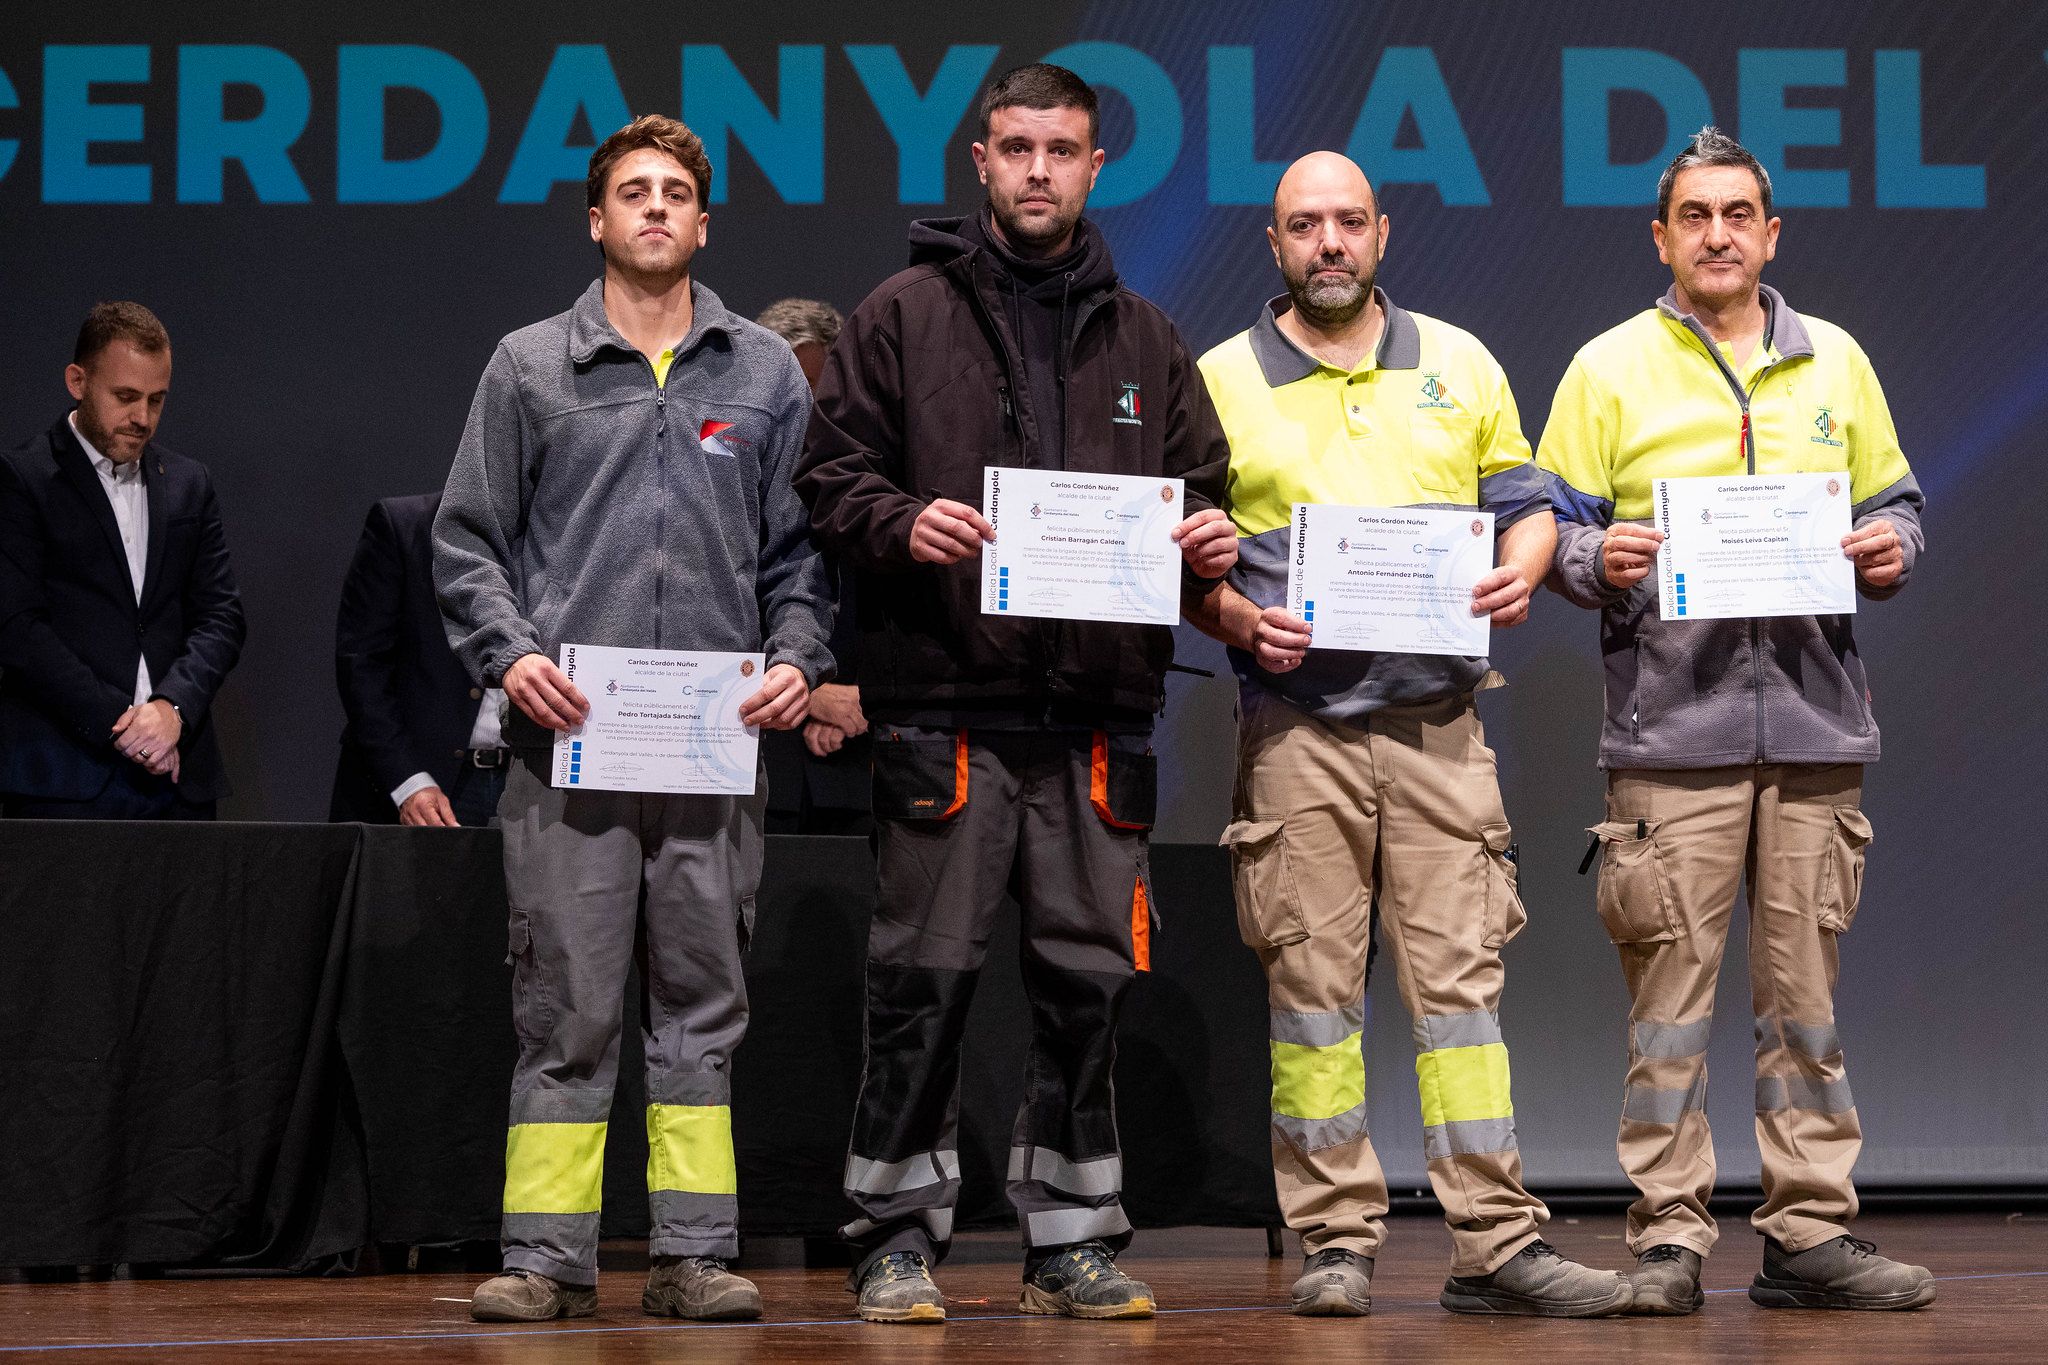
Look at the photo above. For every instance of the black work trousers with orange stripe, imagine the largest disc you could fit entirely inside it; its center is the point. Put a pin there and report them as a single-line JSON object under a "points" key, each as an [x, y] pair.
{"points": [[1056, 819]]}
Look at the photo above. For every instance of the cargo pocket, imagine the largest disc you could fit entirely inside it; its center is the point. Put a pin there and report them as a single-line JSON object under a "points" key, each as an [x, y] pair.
{"points": [[1123, 782], [1845, 881], [1504, 913], [920, 779], [1635, 899], [1268, 900]]}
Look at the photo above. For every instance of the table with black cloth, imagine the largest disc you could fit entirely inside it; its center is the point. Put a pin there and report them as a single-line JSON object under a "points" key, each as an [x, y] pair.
{"points": [[266, 1045]]}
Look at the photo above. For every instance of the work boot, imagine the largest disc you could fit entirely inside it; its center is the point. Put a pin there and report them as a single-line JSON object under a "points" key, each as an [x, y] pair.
{"points": [[1537, 1282], [1666, 1281], [700, 1287], [528, 1296], [899, 1288], [1083, 1282], [1334, 1283], [1845, 1272]]}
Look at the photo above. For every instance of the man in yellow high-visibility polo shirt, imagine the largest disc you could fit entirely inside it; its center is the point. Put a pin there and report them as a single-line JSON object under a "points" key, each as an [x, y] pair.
{"points": [[1731, 746], [1366, 774]]}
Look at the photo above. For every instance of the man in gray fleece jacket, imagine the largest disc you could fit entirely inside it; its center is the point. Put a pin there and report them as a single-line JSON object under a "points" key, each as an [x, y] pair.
{"points": [[624, 481]]}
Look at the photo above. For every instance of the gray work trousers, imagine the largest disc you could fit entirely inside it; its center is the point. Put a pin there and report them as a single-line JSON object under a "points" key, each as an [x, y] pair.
{"points": [[590, 875]]}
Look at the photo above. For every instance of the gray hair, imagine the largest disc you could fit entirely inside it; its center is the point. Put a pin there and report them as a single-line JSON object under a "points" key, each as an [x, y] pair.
{"points": [[797, 321], [1711, 147]]}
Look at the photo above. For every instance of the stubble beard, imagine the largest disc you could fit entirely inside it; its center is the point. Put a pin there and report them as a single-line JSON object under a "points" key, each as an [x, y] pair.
{"points": [[1035, 235]]}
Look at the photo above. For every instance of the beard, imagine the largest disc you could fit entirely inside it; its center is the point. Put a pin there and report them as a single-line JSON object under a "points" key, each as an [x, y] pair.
{"points": [[1035, 234], [1329, 304], [111, 442]]}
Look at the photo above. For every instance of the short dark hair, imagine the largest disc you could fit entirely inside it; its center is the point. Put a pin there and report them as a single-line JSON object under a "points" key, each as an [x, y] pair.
{"points": [[1041, 85], [1711, 147], [662, 134], [108, 323]]}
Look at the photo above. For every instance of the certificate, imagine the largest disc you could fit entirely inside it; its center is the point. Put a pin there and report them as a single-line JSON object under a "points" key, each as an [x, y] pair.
{"points": [[1394, 579], [1081, 547], [1754, 545], [661, 720]]}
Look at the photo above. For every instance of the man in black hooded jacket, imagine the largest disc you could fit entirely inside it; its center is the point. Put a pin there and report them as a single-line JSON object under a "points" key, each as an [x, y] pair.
{"points": [[1011, 754]]}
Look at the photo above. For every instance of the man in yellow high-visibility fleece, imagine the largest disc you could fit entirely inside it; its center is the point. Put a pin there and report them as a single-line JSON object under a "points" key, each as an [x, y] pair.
{"points": [[1731, 746], [1364, 773]]}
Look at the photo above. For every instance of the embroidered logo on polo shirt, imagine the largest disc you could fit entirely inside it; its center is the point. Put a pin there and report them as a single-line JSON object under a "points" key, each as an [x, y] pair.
{"points": [[1825, 424], [1129, 410], [1434, 394]]}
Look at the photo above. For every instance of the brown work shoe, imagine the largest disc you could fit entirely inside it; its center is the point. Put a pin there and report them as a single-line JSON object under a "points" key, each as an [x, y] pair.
{"points": [[528, 1296], [1537, 1282], [1334, 1283], [1845, 1272], [1666, 1281], [699, 1287]]}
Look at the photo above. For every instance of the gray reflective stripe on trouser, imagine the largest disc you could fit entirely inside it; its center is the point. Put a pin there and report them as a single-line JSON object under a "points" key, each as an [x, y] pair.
{"points": [[1094, 1177], [1656, 1038], [1313, 1135], [937, 1222], [562, 1246], [1061, 1227], [1317, 1030], [1468, 1137], [1774, 1093], [1644, 1104], [690, 1088], [691, 1224], [1808, 1040], [894, 1177], [559, 1105], [1477, 1029]]}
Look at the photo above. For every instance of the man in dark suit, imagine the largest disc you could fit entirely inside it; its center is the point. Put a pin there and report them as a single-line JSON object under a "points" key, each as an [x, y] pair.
{"points": [[421, 746], [119, 617]]}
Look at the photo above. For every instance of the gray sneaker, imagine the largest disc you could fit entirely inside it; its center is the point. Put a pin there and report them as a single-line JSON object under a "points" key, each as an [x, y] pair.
{"points": [[899, 1288], [699, 1287], [1537, 1282], [1666, 1281], [1083, 1282], [525, 1296], [1846, 1272], [1334, 1283]]}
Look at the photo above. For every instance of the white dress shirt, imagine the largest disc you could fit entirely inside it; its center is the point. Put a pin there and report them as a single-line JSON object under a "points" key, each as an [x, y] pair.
{"points": [[130, 498], [485, 733]]}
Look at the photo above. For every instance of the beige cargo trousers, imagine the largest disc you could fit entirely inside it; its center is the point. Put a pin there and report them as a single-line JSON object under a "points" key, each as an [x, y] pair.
{"points": [[1409, 807], [1677, 846]]}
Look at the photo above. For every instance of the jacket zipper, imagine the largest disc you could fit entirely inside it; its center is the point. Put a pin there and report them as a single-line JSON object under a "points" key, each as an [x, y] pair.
{"points": [[1747, 445], [661, 503]]}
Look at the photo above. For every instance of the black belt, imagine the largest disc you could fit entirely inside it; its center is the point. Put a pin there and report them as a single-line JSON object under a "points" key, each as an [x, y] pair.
{"points": [[487, 758]]}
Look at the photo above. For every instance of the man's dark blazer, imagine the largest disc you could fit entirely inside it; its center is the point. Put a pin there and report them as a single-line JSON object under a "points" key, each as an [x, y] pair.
{"points": [[71, 629], [410, 706]]}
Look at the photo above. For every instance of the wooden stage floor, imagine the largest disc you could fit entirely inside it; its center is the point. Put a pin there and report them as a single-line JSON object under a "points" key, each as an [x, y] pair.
{"points": [[1222, 1301]]}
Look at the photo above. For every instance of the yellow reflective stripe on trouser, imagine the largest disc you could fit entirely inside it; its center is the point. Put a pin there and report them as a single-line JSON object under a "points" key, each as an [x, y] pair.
{"points": [[1318, 1082], [689, 1147], [554, 1167], [1461, 1083]]}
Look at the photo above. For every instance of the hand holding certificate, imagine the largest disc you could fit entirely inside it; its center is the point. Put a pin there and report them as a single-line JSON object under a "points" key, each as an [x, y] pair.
{"points": [[661, 720], [1390, 579], [1082, 547], [1754, 545]]}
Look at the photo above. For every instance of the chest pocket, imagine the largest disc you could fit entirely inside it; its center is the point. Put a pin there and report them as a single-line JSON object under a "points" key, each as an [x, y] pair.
{"points": [[1443, 445]]}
